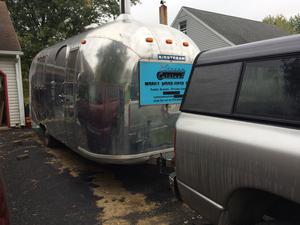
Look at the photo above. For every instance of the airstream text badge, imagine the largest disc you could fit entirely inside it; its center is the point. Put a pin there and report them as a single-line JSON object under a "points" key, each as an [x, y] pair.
{"points": [[171, 57]]}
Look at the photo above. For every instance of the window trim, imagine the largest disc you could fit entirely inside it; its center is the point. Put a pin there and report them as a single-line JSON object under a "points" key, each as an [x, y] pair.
{"points": [[237, 116], [239, 86]]}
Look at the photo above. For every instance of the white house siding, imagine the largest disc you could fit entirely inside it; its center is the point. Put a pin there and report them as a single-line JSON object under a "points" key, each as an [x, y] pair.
{"points": [[203, 36], [8, 66]]}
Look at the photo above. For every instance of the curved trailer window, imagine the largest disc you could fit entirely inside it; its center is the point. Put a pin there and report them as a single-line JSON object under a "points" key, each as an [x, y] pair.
{"points": [[61, 56]]}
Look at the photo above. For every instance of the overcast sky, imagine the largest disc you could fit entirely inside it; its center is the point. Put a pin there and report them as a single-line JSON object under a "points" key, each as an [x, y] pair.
{"points": [[147, 11]]}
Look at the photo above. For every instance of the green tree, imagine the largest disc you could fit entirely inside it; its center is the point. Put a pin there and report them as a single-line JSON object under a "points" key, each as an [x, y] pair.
{"points": [[295, 23], [279, 21], [41, 23]]}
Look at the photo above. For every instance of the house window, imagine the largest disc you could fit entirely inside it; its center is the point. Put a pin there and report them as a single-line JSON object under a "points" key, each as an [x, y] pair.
{"points": [[183, 27]]}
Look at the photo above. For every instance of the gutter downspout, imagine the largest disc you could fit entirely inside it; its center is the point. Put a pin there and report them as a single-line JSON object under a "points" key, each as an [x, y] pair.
{"points": [[20, 90]]}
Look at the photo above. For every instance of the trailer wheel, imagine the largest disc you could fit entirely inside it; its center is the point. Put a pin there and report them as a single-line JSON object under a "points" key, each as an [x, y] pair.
{"points": [[49, 141]]}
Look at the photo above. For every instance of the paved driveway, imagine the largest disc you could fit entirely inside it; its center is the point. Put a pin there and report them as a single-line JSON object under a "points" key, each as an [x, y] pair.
{"points": [[56, 186]]}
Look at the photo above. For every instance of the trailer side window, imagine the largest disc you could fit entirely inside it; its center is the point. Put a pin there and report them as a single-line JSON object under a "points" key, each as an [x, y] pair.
{"points": [[71, 65], [72, 59], [61, 56], [212, 89], [134, 92], [271, 88]]}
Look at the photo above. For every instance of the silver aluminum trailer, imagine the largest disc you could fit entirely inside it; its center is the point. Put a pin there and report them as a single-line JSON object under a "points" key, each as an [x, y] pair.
{"points": [[112, 94]]}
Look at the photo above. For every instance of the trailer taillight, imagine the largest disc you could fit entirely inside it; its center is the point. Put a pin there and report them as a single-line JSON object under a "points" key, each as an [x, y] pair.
{"points": [[83, 42]]}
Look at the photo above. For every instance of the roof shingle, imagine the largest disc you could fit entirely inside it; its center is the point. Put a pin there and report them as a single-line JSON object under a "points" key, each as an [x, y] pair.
{"points": [[8, 37], [238, 30]]}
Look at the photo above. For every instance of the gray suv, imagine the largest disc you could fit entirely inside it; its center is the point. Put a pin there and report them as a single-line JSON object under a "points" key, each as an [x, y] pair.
{"points": [[237, 140]]}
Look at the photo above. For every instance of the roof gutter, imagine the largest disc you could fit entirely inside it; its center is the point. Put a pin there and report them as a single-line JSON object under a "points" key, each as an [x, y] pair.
{"points": [[3, 52]]}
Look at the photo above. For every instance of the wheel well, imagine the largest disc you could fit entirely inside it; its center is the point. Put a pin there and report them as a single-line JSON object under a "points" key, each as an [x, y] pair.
{"points": [[249, 206]]}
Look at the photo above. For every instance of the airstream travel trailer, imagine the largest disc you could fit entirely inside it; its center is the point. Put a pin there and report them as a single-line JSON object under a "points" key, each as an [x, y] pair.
{"points": [[112, 94]]}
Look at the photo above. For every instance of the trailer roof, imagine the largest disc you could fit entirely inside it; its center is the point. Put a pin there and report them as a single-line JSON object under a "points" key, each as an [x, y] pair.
{"points": [[132, 33], [272, 47]]}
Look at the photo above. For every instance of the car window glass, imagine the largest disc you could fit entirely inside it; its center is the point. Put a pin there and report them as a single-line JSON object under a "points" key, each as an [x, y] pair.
{"points": [[212, 89], [271, 89]]}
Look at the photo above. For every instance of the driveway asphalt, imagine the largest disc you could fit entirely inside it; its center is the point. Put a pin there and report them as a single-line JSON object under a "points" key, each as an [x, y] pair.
{"points": [[57, 187]]}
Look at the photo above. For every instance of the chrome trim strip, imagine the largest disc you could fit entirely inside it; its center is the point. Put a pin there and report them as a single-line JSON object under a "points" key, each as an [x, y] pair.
{"points": [[201, 196], [3, 52], [123, 157]]}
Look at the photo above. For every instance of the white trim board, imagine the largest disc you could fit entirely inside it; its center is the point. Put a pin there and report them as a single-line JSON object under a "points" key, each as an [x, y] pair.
{"points": [[20, 90]]}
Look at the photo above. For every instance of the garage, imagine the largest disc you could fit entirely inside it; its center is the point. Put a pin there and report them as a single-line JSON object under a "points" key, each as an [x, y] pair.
{"points": [[11, 89]]}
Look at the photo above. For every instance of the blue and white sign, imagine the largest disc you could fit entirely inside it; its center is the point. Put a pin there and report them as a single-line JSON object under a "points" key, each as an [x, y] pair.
{"points": [[163, 83]]}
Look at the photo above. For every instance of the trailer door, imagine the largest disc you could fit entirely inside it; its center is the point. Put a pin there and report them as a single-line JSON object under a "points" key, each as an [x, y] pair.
{"points": [[70, 89], [57, 129]]}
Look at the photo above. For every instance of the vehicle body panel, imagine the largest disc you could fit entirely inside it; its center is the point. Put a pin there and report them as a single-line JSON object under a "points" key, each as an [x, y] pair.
{"points": [[221, 152], [217, 156]]}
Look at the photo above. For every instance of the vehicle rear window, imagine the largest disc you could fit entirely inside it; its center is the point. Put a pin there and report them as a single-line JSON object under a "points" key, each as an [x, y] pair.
{"points": [[212, 89], [271, 88]]}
